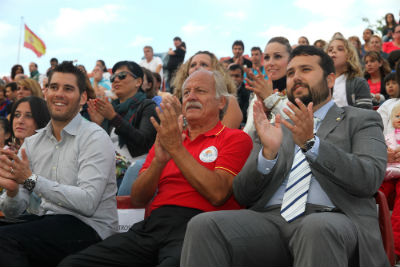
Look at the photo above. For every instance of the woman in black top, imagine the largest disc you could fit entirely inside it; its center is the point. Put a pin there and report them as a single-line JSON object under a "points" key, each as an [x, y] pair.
{"points": [[127, 118]]}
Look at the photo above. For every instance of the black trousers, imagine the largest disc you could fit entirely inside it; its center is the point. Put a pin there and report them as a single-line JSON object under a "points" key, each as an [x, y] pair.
{"points": [[155, 241], [43, 240]]}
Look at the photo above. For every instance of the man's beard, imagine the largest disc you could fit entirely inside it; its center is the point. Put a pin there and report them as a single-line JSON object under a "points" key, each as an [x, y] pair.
{"points": [[68, 115], [316, 94]]}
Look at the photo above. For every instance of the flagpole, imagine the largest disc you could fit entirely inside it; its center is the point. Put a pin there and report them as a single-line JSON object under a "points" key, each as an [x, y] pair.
{"points": [[19, 43]]}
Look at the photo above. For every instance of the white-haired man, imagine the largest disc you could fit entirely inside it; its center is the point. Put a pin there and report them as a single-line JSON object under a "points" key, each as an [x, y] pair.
{"points": [[191, 171]]}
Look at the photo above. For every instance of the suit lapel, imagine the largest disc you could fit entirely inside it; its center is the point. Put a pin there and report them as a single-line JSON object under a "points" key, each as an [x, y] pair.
{"points": [[332, 119]]}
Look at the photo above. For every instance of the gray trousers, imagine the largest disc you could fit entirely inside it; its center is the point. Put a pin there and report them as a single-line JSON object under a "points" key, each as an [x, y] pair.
{"points": [[250, 238]]}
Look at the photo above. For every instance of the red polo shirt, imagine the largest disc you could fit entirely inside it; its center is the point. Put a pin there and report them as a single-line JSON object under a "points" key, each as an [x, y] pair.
{"points": [[389, 47], [220, 148]]}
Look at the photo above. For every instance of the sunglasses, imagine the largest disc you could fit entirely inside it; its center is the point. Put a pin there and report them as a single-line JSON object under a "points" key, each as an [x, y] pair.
{"points": [[122, 75]]}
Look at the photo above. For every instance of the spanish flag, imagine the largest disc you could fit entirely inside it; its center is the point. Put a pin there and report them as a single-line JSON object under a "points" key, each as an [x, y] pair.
{"points": [[33, 42]]}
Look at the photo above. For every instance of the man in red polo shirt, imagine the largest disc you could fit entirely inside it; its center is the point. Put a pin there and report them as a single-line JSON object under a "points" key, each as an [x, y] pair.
{"points": [[395, 44], [191, 171]]}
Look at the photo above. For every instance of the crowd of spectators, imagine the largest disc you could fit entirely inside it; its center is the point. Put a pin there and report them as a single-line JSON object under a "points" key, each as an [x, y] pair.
{"points": [[157, 114]]}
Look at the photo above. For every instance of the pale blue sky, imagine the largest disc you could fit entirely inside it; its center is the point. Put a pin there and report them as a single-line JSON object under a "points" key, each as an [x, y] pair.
{"points": [[87, 30]]}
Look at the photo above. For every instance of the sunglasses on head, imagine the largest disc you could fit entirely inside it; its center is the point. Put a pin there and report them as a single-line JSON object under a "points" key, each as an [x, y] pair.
{"points": [[121, 75]]}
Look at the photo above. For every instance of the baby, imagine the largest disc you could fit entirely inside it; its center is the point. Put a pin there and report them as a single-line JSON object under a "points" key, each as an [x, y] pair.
{"points": [[392, 139]]}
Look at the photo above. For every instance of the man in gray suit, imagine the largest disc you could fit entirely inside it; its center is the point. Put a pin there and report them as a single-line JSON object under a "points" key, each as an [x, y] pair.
{"points": [[309, 185]]}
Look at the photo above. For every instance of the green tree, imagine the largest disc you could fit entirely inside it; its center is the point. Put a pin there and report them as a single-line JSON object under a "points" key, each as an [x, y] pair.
{"points": [[377, 26]]}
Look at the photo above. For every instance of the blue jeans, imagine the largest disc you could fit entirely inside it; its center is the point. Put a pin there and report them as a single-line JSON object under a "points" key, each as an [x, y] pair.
{"points": [[129, 178]]}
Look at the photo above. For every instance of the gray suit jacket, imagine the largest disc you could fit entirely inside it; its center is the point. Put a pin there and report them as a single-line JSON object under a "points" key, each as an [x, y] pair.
{"points": [[350, 167]]}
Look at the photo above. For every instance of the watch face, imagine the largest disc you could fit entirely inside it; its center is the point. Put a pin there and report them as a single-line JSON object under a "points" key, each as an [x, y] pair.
{"points": [[29, 184], [310, 144]]}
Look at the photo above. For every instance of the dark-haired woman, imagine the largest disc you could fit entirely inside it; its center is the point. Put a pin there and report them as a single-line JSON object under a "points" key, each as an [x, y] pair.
{"points": [[16, 69], [388, 29], [376, 68], [127, 118], [28, 115]]}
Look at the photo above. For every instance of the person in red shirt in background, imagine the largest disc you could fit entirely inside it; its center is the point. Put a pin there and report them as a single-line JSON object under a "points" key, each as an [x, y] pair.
{"points": [[395, 44], [190, 171], [376, 68]]}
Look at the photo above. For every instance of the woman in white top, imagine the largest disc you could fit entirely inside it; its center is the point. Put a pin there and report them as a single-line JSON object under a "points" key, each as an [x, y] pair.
{"points": [[350, 88], [276, 58]]}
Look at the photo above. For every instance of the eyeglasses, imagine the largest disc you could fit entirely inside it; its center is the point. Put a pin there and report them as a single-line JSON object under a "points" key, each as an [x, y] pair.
{"points": [[122, 75]]}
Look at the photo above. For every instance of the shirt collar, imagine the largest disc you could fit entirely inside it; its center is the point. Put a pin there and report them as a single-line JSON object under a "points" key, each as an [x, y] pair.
{"points": [[321, 112], [71, 128], [218, 128]]}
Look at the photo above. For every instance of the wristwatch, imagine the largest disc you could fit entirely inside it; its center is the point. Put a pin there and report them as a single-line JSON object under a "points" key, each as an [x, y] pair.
{"points": [[308, 145], [30, 183]]}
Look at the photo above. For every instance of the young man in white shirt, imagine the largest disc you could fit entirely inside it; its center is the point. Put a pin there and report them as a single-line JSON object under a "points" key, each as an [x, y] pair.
{"points": [[70, 165]]}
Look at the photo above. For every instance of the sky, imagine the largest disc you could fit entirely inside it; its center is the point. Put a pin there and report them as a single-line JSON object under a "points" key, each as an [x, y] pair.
{"points": [[87, 30]]}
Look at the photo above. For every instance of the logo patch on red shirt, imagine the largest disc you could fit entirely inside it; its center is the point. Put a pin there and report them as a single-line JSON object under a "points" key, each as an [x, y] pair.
{"points": [[209, 154]]}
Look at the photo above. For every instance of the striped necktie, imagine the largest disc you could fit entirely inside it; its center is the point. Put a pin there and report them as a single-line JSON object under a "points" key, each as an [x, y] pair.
{"points": [[296, 192]]}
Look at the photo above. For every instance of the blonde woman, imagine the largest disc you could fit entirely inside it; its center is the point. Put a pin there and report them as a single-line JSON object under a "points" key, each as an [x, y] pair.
{"points": [[203, 59], [28, 87], [350, 88], [375, 44], [355, 41]]}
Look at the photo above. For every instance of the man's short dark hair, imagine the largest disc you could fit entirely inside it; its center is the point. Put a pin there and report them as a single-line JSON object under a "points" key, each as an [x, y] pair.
{"points": [[234, 67], [371, 30], [178, 39], [239, 43], [325, 61], [256, 48], [68, 67], [54, 60], [12, 85], [35, 64]]}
